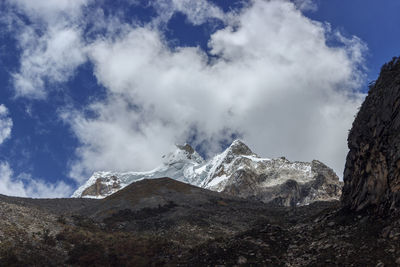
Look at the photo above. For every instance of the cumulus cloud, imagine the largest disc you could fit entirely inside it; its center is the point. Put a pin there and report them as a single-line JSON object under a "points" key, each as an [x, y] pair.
{"points": [[25, 186], [6, 124], [272, 80]]}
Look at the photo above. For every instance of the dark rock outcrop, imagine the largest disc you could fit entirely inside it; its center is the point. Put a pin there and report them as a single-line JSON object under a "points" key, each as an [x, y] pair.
{"points": [[372, 172]]}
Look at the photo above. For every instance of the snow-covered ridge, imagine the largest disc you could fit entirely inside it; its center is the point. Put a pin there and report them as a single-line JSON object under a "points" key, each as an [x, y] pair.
{"points": [[237, 171], [181, 164]]}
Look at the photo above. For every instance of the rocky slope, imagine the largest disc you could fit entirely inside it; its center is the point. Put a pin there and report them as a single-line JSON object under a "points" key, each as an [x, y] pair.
{"points": [[163, 222], [372, 172], [237, 171]]}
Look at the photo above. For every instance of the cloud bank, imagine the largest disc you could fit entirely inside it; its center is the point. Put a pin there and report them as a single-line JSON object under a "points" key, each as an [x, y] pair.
{"points": [[269, 77]]}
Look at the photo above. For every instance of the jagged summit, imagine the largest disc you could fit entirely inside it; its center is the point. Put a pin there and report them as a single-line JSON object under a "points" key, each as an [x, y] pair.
{"points": [[236, 171], [183, 153], [239, 148], [180, 164], [186, 147]]}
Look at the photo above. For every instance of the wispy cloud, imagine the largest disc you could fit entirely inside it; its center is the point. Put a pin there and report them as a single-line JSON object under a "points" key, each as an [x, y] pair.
{"points": [[47, 59], [25, 186], [6, 124], [50, 11], [197, 12], [306, 5], [49, 36]]}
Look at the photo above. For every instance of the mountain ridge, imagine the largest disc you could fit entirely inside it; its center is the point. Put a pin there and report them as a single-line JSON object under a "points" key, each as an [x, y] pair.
{"points": [[237, 171]]}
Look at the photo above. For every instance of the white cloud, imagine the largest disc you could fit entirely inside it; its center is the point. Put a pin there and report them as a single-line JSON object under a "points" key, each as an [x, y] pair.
{"points": [[25, 186], [306, 5], [50, 58], [197, 12], [6, 124], [50, 42], [50, 10], [274, 81]]}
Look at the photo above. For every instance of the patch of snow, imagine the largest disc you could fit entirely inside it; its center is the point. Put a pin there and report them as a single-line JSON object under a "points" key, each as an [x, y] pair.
{"points": [[256, 159], [217, 180]]}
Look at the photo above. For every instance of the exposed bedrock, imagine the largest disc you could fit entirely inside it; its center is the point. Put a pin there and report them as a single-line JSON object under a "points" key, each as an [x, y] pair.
{"points": [[372, 171]]}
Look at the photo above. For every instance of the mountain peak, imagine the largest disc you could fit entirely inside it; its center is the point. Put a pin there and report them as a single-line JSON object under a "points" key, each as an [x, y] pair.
{"points": [[239, 148], [186, 147], [236, 171], [182, 153]]}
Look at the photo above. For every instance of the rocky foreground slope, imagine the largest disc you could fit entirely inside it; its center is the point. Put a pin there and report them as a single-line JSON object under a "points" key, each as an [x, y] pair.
{"points": [[237, 171], [372, 173], [163, 222]]}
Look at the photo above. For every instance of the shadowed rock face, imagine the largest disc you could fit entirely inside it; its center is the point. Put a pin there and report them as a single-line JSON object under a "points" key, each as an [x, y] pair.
{"points": [[372, 172]]}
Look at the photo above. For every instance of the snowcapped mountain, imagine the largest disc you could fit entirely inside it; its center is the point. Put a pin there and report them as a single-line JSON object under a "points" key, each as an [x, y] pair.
{"points": [[184, 164], [236, 171]]}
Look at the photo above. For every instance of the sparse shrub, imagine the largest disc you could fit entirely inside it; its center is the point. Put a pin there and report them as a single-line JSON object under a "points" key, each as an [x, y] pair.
{"points": [[60, 236], [61, 219], [8, 258], [48, 239], [90, 254], [84, 222]]}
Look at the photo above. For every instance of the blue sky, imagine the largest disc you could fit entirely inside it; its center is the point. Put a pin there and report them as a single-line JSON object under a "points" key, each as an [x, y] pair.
{"points": [[372, 21], [112, 85]]}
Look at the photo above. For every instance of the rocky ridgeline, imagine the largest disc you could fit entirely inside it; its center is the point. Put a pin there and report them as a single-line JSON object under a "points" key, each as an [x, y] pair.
{"points": [[237, 171], [372, 172]]}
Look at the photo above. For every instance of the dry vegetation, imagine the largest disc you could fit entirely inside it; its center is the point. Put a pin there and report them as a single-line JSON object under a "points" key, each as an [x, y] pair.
{"points": [[202, 228]]}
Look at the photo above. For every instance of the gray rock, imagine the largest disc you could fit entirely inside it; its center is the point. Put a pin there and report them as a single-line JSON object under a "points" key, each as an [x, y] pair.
{"points": [[331, 224]]}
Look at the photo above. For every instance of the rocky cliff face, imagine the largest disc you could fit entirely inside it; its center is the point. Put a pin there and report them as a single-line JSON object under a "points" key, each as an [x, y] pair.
{"points": [[240, 172], [237, 171], [372, 172]]}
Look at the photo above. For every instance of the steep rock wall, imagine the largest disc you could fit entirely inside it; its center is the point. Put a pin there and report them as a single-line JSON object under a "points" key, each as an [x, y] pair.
{"points": [[372, 171]]}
